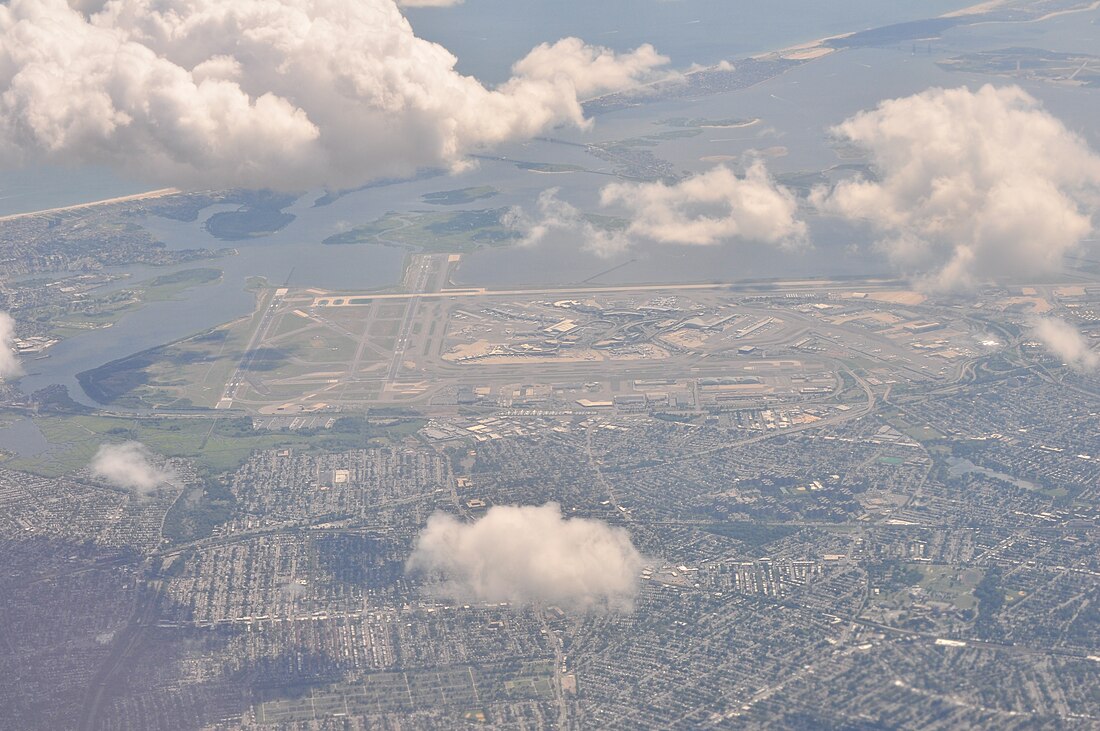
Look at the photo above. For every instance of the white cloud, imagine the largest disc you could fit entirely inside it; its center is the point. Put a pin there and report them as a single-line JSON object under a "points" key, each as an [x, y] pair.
{"points": [[702, 210], [130, 465], [709, 208], [9, 363], [554, 214], [1064, 341], [276, 93], [528, 554], [972, 185]]}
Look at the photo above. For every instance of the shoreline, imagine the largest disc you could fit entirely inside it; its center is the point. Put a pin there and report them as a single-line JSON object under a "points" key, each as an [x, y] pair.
{"points": [[813, 50], [149, 194]]}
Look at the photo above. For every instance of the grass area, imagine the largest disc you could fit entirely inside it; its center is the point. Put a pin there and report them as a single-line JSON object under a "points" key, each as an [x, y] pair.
{"points": [[923, 434], [288, 322], [323, 347], [391, 311], [219, 444], [385, 328], [948, 583], [186, 374], [918, 432], [189, 373], [939, 582], [753, 535], [447, 231], [849, 391]]}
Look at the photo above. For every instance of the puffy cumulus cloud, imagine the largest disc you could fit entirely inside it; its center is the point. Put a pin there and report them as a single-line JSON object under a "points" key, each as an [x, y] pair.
{"points": [[554, 214], [9, 363], [703, 210], [710, 207], [527, 554], [270, 93], [971, 185], [1066, 342], [130, 465], [588, 70]]}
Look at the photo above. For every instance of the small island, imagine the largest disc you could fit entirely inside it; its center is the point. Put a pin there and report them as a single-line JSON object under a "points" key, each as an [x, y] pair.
{"points": [[460, 196]]}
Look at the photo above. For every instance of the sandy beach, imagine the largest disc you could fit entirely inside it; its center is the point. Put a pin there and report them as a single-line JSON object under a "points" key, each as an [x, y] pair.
{"points": [[160, 193]]}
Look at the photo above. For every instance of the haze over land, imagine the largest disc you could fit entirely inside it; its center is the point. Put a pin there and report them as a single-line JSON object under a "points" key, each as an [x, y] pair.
{"points": [[629, 365]]}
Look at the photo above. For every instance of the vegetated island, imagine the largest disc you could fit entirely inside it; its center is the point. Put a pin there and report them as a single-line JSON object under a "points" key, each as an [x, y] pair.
{"points": [[460, 196], [451, 231], [703, 123], [261, 214], [549, 167]]}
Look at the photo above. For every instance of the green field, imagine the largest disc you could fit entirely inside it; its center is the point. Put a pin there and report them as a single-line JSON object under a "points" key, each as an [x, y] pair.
{"points": [[942, 583], [189, 373], [171, 285], [219, 444], [950, 584], [192, 373], [923, 434], [920, 433]]}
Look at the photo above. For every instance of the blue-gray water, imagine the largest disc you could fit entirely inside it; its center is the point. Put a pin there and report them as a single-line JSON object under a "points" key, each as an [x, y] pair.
{"points": [[488, 36], [24, 438], [38, 187]]}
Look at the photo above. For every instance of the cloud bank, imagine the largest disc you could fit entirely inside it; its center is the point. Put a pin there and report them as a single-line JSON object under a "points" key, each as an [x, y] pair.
{"points": [[129, 465], [971, 185], [270, 93], [554, 214], [1066, 342], [702, 210], [710, 207], [9, 362], [528, 554]]}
